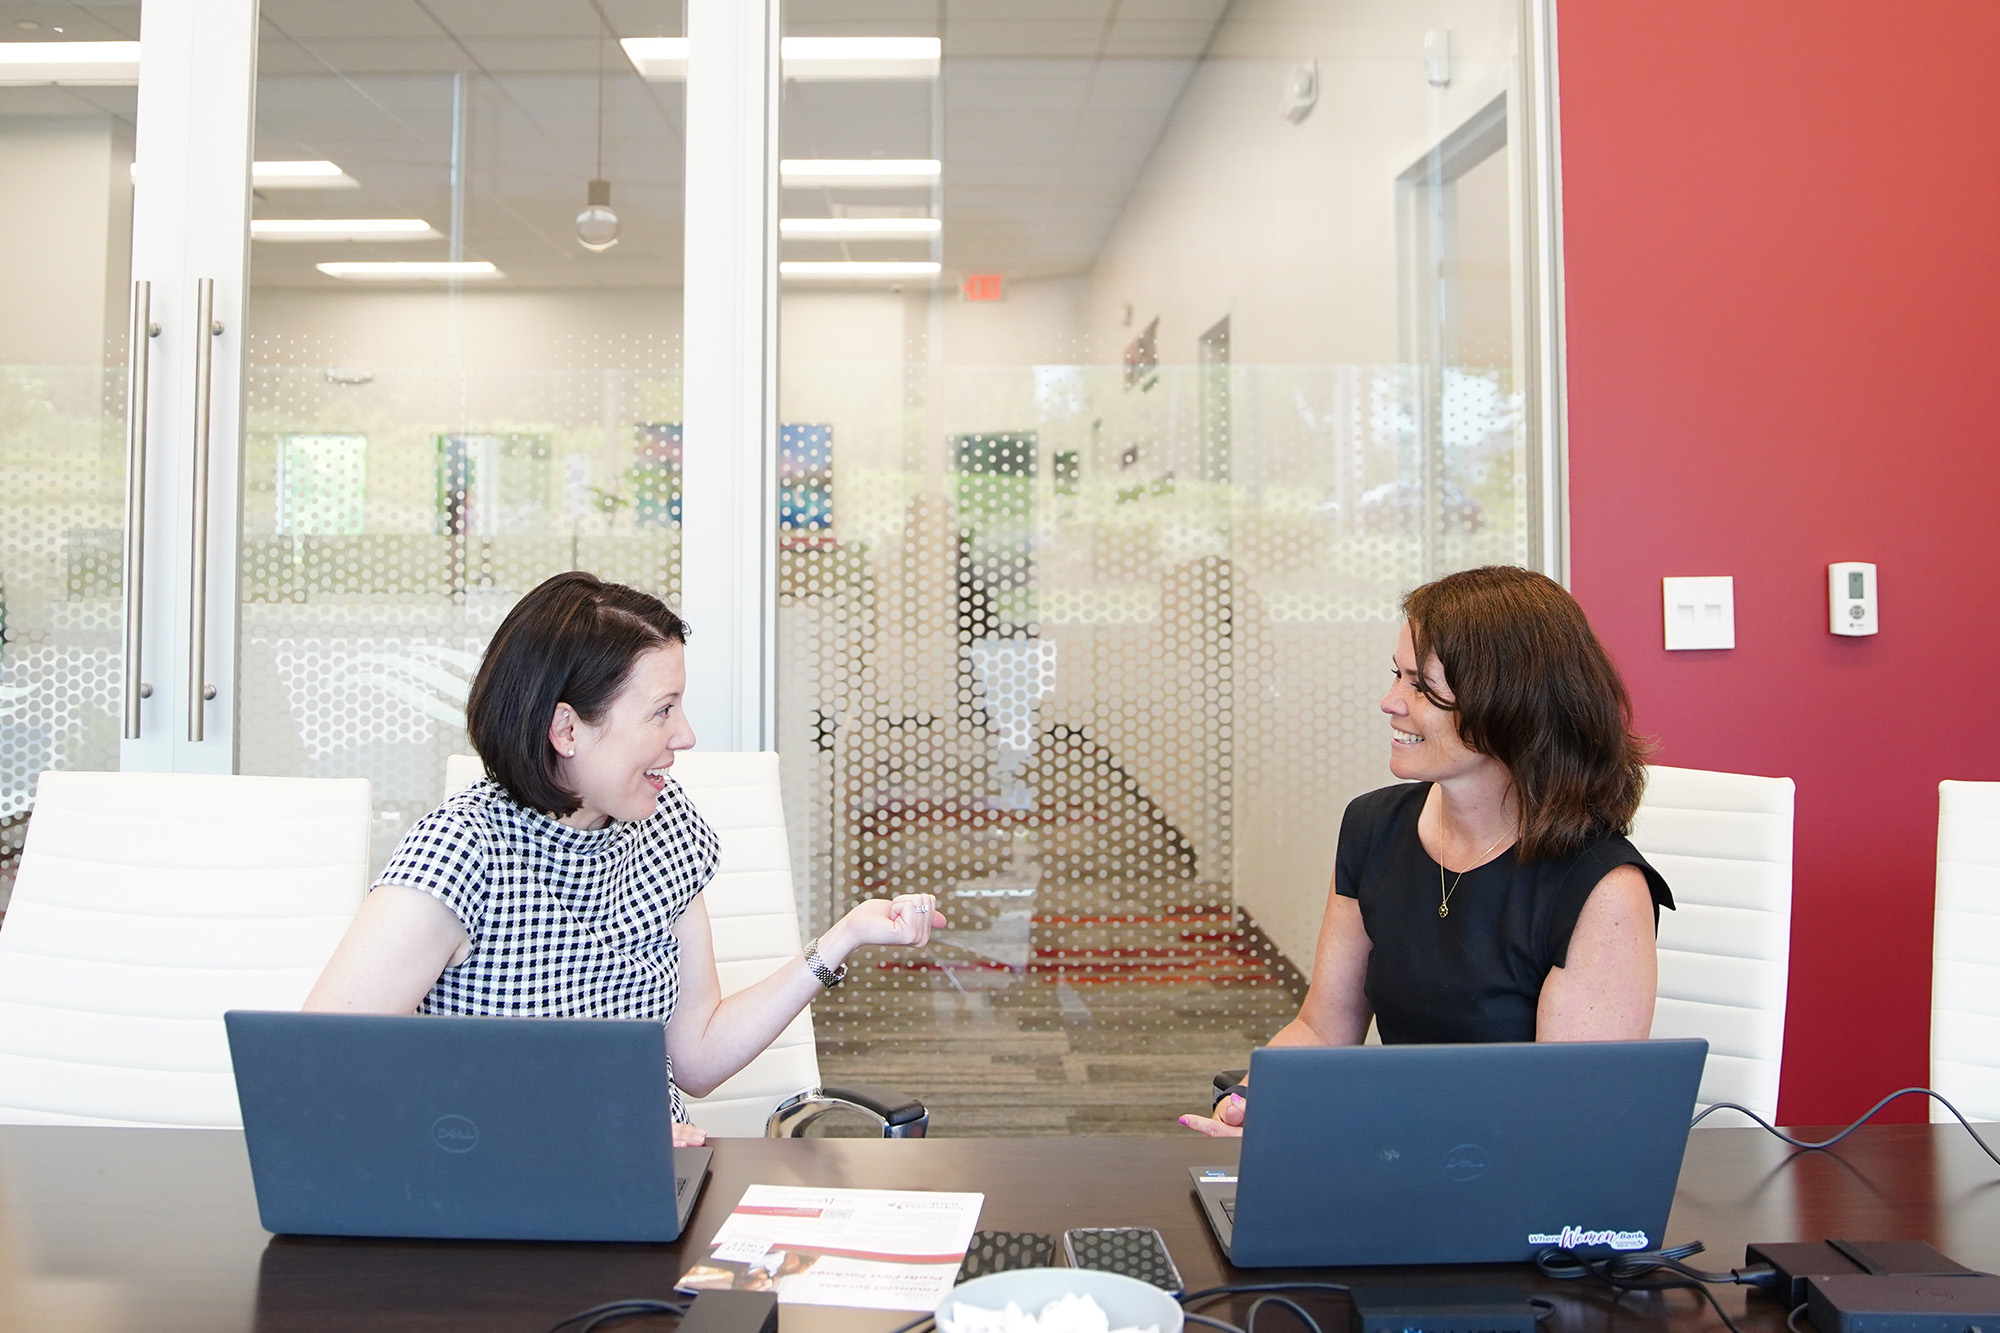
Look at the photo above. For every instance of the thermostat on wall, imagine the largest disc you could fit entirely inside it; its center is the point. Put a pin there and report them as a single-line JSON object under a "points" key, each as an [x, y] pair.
{"points": [[1850, 597]]}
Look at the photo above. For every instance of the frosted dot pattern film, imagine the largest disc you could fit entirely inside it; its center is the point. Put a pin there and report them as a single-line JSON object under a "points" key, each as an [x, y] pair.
{"points": [[1121, 506], [1108, 711], [391, 521], [65, 207]]}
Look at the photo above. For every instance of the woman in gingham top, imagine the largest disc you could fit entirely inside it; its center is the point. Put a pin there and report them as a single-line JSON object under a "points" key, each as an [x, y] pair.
{"points": [[567, 884]]}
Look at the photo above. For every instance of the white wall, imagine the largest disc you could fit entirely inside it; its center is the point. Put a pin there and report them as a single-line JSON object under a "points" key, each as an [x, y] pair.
{"points": [[531, 329], [1290, 229], [65, 237]]}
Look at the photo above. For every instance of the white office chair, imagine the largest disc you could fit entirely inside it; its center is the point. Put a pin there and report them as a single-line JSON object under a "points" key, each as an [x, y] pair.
{"points": [[756, 928], [146, 905], [1724, 843], [1965, 958]]}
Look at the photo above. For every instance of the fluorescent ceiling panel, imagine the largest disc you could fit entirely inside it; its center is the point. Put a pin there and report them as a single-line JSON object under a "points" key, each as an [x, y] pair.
{"points": [[658, 59], [419, 270], [819, 59], [68, 62], [827, 58], [858, 229], [300, 176], [342, 229], [856, 269], [885, 173]]}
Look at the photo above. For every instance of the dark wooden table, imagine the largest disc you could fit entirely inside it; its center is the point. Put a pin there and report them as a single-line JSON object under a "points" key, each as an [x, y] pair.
{"points": [[104, 1230]]}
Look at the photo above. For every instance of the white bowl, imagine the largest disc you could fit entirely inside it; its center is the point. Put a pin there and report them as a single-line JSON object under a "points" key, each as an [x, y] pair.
{"points": [[1126, 1301]]}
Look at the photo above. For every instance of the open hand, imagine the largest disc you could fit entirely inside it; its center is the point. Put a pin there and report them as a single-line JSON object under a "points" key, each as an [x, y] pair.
{"points": [[1226, 1123]]}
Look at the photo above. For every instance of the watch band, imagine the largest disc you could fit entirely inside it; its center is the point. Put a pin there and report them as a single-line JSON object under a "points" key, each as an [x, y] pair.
{"points": [[829, 977]]}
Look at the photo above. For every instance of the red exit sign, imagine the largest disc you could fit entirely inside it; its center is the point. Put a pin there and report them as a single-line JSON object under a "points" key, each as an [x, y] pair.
{"points": [[982, 287]]}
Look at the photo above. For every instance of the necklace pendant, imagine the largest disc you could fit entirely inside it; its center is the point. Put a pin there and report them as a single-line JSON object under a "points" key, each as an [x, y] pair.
{"points": [[1443, 910]]}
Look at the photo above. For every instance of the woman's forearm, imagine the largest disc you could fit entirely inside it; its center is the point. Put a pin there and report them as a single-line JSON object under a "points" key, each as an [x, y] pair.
{"points": [[739, 1027]]}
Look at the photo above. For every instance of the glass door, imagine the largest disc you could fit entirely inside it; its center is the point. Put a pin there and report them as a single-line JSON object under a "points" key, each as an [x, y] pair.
{"points": [[68, 111], [463, 368], [1132, 369]]}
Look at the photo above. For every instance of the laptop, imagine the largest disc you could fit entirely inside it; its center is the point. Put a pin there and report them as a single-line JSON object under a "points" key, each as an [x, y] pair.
{"points": [[461, 1128], [1373, 1155]]}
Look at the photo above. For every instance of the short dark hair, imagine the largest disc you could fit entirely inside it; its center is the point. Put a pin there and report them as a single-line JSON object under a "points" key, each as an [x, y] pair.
{"points": [[1534, 688], [572, 640]]}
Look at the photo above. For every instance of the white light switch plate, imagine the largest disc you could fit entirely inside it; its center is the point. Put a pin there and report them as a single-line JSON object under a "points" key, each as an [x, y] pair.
{"points": [[1701, 612]]}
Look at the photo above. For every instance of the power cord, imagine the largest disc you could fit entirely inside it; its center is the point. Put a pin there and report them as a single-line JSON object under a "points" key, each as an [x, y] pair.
{"points": [[1621, 1271], [1267, 1293], [1567, 1264], [1828, 1143], [597, 1316]]}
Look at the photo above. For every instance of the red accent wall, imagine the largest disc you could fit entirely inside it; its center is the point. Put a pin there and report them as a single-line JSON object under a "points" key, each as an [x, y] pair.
{"points": [[1782, 229]]}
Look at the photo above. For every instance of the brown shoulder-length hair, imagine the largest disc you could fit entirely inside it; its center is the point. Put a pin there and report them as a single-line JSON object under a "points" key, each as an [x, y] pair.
{"points": [[573, 640], [1533, 688]]}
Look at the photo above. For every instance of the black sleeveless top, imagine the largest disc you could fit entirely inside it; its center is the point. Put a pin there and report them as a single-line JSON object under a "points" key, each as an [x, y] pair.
{"points": [[1475, 975]]}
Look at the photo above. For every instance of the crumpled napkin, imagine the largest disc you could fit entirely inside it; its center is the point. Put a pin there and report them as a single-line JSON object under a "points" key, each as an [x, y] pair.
{"points": [[1072, 1313]]}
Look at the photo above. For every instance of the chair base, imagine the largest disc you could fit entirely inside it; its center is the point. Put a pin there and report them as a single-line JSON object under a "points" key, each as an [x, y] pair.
{"points": [[893, 1114]]}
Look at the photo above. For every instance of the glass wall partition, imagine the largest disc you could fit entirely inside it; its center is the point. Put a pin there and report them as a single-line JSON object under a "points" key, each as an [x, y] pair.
{"points": [[66, 141], [464, 359], [1135, 361]]}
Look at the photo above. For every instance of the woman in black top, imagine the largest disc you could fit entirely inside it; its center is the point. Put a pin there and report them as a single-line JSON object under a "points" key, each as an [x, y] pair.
{"points": [[1492, 896]]}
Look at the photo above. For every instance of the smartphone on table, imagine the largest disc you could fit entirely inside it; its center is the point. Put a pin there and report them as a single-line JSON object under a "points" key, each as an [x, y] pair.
{"points": [[1133, 1251]]}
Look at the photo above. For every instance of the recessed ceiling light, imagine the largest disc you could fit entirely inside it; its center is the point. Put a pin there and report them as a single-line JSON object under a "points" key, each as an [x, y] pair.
{"points": [[817, 58], [658, 59], [342, 229], [300, 176], [664, 59], [23, 63], [857, 229], [800, 172], [420, 270], [858, 269]]}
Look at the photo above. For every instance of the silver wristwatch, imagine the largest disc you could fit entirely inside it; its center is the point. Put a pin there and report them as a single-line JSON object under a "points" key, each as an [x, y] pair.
{"points": [[829, 977]]}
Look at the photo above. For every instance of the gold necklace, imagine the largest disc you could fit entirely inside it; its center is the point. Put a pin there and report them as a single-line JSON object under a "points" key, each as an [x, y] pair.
{"points": [[1444, 894]]}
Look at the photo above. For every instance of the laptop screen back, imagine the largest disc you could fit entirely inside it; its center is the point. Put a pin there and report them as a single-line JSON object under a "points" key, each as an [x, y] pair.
{"points": [[1461, 1154], [493, 1128]]}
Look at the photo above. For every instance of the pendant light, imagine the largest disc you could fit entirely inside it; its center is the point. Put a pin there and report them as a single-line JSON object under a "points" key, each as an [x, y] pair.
{"points": [[597, 225]]}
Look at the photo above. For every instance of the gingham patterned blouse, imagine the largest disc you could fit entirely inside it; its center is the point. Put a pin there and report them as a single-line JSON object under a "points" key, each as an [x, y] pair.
{"points": [[564, 922]]}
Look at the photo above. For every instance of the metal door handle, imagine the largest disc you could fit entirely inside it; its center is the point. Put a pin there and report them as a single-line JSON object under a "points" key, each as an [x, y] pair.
{"points": [[199, 690], [138, 349]]}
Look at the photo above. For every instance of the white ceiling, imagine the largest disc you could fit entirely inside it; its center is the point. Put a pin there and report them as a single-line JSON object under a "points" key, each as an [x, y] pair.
{"points": [[1046, 114]]}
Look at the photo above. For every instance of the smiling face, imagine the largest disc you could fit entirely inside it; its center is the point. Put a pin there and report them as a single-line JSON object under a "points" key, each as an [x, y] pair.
{"points": [[617, 765], [1424, 743]]}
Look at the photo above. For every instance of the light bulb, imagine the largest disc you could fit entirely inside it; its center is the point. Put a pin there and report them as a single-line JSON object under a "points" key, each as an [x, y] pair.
{"points": [[597, 225]]}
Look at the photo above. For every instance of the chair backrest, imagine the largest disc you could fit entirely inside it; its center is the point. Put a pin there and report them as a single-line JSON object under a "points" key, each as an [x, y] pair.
{"points": [[753, 914], [1965, 958], [461, 771], [147, 904], [1724, 843]]}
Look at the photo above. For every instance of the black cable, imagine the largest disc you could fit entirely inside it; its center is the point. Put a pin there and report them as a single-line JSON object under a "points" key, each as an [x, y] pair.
{"points": [[1250, 1317], [1544, 1307], [1255, 1288], [1222, 1324], [1641, 1262], [1792, 1319], [597, 1316], [1828, 1143], [1568, 1265]]}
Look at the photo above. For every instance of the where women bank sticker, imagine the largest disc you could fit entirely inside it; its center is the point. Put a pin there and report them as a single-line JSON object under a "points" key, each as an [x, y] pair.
{"points": [[1570, 1238]]}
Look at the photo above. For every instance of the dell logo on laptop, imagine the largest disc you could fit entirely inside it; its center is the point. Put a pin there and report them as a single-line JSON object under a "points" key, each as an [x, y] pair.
{"points": [[454, 1133], [1468, 1161]]}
